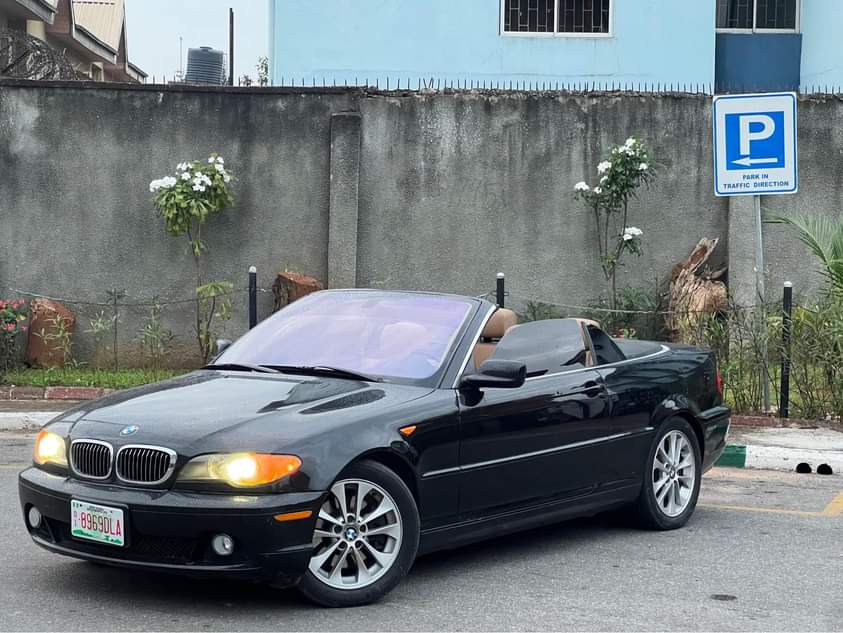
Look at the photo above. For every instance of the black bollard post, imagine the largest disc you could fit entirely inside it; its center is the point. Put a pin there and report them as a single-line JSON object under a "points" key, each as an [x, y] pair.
{"points": [[500, 289], [253, 297], [787, 325]]}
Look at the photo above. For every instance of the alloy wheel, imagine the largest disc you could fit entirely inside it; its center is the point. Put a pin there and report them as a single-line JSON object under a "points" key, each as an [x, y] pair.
{"points": [[357, 537], [673, 474]]}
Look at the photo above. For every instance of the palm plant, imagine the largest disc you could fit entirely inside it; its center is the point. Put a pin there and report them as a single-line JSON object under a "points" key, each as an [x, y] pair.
{"points": [[824, 237]]}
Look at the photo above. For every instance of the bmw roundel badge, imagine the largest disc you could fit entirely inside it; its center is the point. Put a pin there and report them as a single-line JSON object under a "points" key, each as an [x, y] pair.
{"points": [[130, 430]]}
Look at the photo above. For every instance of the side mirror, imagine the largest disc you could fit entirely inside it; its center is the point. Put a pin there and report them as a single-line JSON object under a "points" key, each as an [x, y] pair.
{"points": [[500, 374], [222, 345]]}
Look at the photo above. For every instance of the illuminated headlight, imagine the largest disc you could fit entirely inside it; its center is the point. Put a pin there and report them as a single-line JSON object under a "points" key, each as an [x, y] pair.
{"points": [[240, 470], [50, 448]]}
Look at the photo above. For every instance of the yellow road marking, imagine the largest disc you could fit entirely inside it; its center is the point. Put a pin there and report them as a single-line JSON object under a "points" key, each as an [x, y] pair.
{"points": [[833, 509]]}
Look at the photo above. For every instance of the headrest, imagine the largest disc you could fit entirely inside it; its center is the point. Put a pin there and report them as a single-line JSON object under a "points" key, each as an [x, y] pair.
{"points": [[500, 322], [588, 322]]}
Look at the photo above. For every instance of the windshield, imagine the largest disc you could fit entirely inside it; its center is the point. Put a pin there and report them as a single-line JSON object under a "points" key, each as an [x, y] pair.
{"points": [[389, 335]]}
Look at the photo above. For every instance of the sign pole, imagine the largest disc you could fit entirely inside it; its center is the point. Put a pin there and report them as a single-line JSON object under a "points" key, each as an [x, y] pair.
{"points": [[762, 303]]}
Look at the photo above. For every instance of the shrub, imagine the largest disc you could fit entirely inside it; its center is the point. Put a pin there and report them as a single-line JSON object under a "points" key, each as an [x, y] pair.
{"points": [[13, 321]]}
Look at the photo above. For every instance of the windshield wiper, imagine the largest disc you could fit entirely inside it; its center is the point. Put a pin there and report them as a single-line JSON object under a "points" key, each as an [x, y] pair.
{"points": [[339, 372], [263, 369]]}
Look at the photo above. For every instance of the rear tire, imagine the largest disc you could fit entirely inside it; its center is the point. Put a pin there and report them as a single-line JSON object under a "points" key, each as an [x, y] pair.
{"points": [[672, 475], [365, 540]]}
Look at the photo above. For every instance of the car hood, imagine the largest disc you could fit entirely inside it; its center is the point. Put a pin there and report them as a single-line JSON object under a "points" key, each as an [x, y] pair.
{"points": [[211, 410]]}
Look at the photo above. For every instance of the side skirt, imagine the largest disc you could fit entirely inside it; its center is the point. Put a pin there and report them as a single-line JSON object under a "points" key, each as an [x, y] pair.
{"points": [[465, 532]]}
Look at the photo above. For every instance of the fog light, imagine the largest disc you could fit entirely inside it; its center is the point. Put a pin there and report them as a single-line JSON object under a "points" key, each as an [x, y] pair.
{"points": [[34, 518], [222, 544]]}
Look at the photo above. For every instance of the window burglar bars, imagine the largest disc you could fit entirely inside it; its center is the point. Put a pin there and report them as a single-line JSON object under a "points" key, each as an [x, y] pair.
{"points": [[556, 17], [758, 15]]}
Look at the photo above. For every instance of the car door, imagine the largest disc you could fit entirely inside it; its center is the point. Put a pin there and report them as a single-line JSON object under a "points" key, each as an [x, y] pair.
{"points": [[536, 442]]}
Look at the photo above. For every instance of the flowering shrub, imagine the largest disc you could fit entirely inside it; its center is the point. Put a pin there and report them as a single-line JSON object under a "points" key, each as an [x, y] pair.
{"points": [[186, 200], [13, 321], [619, 177]]}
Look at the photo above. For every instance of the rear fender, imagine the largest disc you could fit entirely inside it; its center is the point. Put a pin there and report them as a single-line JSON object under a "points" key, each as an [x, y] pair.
{"points": [[678, 405]]}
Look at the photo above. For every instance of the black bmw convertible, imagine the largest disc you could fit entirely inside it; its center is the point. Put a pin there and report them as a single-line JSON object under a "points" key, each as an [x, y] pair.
{"points": [[356, 429]]}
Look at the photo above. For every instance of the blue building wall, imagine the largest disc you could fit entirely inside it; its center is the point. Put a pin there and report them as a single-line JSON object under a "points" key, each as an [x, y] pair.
{"points": [[822, 43], [652, 41]]}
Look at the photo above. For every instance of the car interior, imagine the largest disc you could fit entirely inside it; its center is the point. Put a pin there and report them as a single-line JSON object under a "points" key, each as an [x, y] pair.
{"points": [[553, 345]]}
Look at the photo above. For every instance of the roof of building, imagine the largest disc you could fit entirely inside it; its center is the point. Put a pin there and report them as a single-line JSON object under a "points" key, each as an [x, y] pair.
{"points": [[102, 19]]}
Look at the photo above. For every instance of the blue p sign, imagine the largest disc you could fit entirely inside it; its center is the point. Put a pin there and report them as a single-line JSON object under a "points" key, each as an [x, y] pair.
{"points": [[755, 144], [755, 140]]}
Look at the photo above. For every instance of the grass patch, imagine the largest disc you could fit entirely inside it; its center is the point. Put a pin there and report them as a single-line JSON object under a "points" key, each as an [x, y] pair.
{"points": [[74, 377]]}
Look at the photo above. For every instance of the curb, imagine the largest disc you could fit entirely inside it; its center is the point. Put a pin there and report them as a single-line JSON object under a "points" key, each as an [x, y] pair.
{"points": [[10, 392], [781, 458]]}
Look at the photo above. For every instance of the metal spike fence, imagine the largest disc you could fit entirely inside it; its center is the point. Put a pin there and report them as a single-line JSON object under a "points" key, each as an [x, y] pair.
{"points": [[450, 84]]}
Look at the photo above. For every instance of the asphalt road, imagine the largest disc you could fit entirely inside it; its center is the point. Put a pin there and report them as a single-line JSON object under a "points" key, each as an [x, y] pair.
{"points": [[764, 551]]}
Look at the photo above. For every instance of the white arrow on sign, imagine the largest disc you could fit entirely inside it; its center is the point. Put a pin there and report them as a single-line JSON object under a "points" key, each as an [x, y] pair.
{"points": [[748, 162]]}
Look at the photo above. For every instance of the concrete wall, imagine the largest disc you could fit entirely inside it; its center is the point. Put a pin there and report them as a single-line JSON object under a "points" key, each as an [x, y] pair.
{"points": [[417, 190], [651, 41]]}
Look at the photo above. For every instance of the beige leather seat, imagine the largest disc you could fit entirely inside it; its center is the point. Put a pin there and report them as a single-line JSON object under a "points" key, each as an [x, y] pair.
{"points": [[502, 320]]}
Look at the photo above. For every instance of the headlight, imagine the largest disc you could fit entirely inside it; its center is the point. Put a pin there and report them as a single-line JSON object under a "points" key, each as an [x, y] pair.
{"points": [[50, 448], [240, 470]]}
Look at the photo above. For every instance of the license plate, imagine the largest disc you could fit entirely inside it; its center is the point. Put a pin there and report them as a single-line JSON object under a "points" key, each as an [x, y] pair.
{"points": [[97, 523]]}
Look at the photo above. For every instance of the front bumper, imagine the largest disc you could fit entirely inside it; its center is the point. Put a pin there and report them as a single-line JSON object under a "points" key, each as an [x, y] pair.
{"points": [[171, 531]]}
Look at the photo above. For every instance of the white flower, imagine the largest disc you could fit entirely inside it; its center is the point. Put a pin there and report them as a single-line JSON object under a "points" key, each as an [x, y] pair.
{"points": [[211, 160], [182, 167], [627, 237], [581, 186], [631, 232], [643, 167], [220, 160], [186, 176], [162, 183], [598, 190], [603, 180], [604, 167], [199, 188], [629, 142], [220, 168], [226, 178]]}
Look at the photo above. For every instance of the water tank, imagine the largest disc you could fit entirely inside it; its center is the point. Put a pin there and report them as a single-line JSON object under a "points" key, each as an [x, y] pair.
{"points": [[205, 66]]}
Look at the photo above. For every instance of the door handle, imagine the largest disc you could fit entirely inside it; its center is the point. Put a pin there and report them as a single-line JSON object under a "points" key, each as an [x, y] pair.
{"points": [[589, 389]]}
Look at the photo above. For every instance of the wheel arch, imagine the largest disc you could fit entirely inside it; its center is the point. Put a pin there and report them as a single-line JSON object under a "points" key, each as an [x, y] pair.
{"points": [[396, 463], [679, 407]]}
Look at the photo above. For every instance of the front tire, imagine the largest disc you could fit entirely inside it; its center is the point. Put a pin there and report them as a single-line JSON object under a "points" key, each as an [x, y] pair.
{"points": [[365, 540], [672, 477]]}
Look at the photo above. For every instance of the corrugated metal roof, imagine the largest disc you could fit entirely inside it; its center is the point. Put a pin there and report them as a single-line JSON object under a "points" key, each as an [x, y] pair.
{"points": [[101, 18]]}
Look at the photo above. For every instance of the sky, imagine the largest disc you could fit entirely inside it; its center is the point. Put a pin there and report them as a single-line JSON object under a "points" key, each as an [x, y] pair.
{"points": [[154, 27]]}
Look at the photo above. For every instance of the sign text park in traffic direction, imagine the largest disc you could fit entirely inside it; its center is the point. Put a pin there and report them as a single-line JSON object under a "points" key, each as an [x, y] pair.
{"points": [[755, 144]]}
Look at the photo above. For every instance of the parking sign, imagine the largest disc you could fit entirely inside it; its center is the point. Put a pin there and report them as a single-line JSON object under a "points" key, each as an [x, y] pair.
{"points": [[755, 144]]}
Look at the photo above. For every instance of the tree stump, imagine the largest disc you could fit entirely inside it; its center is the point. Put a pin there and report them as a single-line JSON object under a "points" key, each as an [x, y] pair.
{"points": [[51, 330], [696, 293], [289, 287]]}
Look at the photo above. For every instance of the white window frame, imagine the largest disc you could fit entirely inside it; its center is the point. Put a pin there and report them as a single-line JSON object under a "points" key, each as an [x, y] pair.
{"points": [[754, 29], [592, 35]]}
